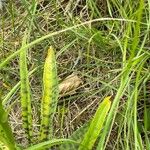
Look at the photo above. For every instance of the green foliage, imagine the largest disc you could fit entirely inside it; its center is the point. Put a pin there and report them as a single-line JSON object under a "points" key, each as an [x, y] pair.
{"points": [[146, 118], [48, 105], [50, 96], [6, 136], [49, 144], [25, 93], [96, 125], [48, 108], [87, 134], [111, 54], [77, 136]]}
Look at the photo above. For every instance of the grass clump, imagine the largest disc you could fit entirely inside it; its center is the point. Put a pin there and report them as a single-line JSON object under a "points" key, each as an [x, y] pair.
{"points": [[48, 109], [107, 47]]}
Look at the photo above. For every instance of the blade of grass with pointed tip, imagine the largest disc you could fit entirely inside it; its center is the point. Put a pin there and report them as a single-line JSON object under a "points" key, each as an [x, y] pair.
{"points": [[25, 92], [50, 95], [96, 125]]}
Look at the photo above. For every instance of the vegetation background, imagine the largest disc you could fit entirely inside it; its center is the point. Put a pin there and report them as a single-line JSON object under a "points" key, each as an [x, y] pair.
{"points": [[104, 42]]}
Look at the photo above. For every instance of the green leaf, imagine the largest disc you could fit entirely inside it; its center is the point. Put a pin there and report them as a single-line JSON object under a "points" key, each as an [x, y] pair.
{"points": [[50, 95], [25, 92], [147, 118], [6, 136], [48, 144], [96, 125]]}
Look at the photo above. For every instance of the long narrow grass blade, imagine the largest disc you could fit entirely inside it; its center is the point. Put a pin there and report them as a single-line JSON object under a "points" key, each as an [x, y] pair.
{"points": [[96, 125], [50, 95], [48, 144], [147, 141], [6, 136], [25, 93]]}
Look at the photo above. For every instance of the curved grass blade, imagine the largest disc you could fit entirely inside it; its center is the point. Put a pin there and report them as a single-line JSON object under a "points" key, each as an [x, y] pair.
{"points": [[96, 125], [77, 136], [50, 95], [48, 144], [6, 136], [16, 53], [25, 93]]}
